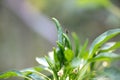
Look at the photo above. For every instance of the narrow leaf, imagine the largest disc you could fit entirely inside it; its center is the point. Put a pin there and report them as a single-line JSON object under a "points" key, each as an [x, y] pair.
{"points": [[67, 41], [77, 43], [83, 51], [100, 40], [51, 65], [106, 56], [13, 73], [9, 74], [29, 72], [56, 60], [59, 30], [61, 47], [110, 46], [36, 77]]}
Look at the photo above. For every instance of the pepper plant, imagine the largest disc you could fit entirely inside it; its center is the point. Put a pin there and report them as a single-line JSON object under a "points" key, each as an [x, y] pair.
{"points": [[66, 62]]}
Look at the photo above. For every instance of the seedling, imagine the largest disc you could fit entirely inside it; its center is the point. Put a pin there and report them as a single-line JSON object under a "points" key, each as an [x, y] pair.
{"points": [[68, 63]]}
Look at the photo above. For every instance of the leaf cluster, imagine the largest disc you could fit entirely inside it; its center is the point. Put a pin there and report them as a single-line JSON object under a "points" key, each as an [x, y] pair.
{"points": [[68, 63]]}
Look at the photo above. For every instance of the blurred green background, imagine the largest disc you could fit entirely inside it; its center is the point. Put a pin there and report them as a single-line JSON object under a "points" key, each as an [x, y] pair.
{"points": [[27, 31]]}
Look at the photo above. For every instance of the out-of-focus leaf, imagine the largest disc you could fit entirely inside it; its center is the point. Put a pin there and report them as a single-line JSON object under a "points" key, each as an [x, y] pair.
{"points": [[42, 61], [59, 29], [106, 56], [33, 69], [77, 43], [39, 4], [38, 76], [83, 51], [110, 46], [81, 73], [35, 77], [9, 74], [67, 41], [29, 71], [107, 45], [76, 62], [51, 65], [112, 73], [22, 73], [68, 53], [100, 40], [13, 73], [93, 3]]}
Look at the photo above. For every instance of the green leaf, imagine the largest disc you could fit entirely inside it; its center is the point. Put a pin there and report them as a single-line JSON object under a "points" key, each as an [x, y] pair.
{"points": [[67, 41], [32, 69], [59, 52], [22, 73], [108, 47], [93, 3], [83, 71], [55, 55], [68, 53], [59, 30], [35, 70], [60, 56], [60, 46], [77, 43], [9, 74], [13, 73], [38, 68], [83, 51], [56, 59], [36, 77], [105, 56], [100, 40], [51, 65]]}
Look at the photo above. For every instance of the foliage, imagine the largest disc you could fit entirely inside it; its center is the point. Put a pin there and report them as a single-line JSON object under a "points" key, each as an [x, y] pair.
{"points": [[79, 63], [96, 3]]}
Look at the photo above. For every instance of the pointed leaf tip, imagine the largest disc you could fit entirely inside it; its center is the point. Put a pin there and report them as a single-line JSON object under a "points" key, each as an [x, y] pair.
{"points": [[100, 40], [59, 30], [56, 22]]}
